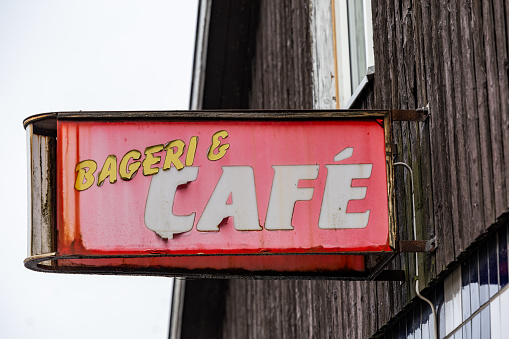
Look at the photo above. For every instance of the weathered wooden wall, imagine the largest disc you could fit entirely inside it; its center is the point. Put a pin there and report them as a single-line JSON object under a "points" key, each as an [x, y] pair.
{"points": [[452, 55], [281, 67]]}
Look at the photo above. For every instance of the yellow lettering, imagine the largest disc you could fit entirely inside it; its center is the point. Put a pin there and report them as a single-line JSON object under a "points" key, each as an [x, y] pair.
{"points": [[109, 170], [221, 150], [127, 172], [85, 178], [150, 159], [191, 151], [173, 157]]}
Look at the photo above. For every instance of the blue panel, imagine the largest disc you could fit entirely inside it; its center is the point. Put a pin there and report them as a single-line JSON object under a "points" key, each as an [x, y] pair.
{"points": [[427, 323], [401, 333], [484, 289], [465, 289], [474, 284], [458, 334], [409, 325], [493, 264], [439, 307], [485, 323], [502, 256], [417, 320]]}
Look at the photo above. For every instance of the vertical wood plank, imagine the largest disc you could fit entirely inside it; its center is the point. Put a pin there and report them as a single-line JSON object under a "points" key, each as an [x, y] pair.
{"points": [[349, 317], [284, 54], [383, 301], [287, 39], [339, 308], [444, 206], [270, 58], [409, 265], [409, 53], [425, 230], [372, 306], [364, 311], [296, 36], [472, 124], [321, 312], [398, 58], [359, 310], [501, 21], [397, 292], [486, 157], [250, 300], [273, 48], [277, 18], [419, 56], [496, 104], [310, 312], [257, 90], [451, 122], [265, 54], [381, 55], [299, 307], [435, 91], [288, 316], [428, 65], [335, 307], [392, 101], [457, 128]]}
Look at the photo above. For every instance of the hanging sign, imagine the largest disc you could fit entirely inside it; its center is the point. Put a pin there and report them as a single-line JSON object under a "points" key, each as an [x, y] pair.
{"points": [[205, 193]]}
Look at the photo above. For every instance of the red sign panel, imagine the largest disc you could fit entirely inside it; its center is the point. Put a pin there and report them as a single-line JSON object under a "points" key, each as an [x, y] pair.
{"points": [[239, 195]]}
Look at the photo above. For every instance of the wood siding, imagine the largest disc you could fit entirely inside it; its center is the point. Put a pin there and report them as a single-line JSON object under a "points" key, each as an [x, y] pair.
{"points": [[452, 55], [281, 68]]}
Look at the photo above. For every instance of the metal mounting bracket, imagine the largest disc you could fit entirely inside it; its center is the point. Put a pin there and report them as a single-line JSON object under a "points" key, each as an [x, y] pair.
{"points": [[405, 246], [420, 114], [414, 245], [391, 275]]}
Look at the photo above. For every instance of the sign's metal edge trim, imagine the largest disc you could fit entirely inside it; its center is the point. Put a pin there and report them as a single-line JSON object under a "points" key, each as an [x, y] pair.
{"points": [[206, 114], [33, 262]]}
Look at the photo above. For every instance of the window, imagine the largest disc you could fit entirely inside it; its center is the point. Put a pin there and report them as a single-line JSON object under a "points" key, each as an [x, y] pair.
{"points": [[342, 50], [353, 35]]}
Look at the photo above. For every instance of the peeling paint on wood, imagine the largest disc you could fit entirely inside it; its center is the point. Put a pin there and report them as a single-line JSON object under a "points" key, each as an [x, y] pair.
{"points": [[43, 199]]}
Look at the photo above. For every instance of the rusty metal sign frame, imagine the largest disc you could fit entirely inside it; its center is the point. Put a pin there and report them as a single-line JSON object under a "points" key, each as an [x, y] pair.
{"points": [[43, 251]]}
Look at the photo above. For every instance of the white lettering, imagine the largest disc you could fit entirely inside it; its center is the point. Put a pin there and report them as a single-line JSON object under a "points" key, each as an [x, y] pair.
{"points": [[235, 196], [285, 193], [159, 215], [338, 192], [237, 181]]}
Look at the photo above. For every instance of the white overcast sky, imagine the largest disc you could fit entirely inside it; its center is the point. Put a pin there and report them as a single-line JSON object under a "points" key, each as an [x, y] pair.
{"points": [[73, 55]]}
